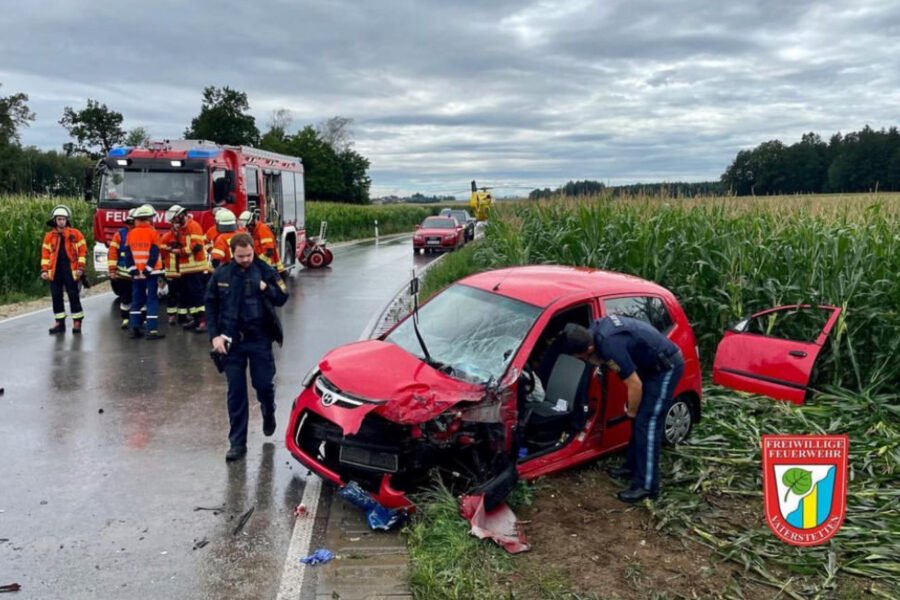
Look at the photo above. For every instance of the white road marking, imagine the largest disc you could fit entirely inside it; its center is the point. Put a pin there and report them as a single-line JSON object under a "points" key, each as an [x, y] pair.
{"points": [[295, 571]]}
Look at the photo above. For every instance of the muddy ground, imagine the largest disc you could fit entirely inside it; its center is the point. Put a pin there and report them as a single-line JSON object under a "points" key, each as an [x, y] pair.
{"points": [[587, 542]]}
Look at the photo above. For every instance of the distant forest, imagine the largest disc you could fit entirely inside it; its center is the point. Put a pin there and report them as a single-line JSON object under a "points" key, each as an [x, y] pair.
{"points": [[861, 161]]}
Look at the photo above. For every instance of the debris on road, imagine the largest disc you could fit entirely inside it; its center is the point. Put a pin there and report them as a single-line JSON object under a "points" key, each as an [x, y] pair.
{"points": [[499, 524], [243, 520], [10, 587], [300, 511], [214, 509], [319, 557], [200, 544], [377, 515]]}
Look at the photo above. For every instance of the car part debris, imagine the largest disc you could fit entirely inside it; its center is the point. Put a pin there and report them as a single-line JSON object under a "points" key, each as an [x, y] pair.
{"points": [[377, 515], [243, 520], [319, 557], [499, 524], [10, 587]]}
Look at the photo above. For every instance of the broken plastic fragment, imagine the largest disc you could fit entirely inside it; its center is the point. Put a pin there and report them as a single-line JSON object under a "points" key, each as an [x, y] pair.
{"points": [[500, 524], [377, 515], [320, 556]]}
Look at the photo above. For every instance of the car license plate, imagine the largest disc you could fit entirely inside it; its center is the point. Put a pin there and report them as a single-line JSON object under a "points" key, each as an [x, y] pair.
{"points": [[370, 459], [433, 242]]}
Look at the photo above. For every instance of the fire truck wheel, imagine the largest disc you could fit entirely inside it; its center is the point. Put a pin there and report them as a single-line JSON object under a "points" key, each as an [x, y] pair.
{"points": [[316, 259]]}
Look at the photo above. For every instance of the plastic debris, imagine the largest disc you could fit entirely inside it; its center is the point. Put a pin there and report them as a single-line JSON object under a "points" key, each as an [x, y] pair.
{"points": [[319, 557], [377, 515], [243, 520], [500, 524], [300, 511], [10, 587]]}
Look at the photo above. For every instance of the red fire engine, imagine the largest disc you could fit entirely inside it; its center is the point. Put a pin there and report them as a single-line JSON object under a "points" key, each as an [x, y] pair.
{"points": [[201, 176]]}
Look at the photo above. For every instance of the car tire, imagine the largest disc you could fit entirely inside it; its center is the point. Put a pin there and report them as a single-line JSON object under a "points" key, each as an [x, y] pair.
{"points": [[679, 421]]}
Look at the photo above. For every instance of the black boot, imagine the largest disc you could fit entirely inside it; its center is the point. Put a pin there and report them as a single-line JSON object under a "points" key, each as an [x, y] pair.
{"points": [[620, 472], [154, 335], [632, 495], [60, 327], [269, 422], [136, 333], [235, 453]]}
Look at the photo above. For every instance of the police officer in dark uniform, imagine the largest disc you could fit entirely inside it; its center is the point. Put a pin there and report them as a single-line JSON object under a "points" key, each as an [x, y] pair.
{"points": [[650, 365], [242, 324]]}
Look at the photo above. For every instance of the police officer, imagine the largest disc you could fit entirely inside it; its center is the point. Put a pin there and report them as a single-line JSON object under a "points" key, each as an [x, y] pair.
{"points": [[242, 324], [650, 365]]}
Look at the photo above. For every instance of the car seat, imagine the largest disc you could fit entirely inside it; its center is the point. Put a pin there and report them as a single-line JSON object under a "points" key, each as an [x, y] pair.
{"points": [[563, 405]]}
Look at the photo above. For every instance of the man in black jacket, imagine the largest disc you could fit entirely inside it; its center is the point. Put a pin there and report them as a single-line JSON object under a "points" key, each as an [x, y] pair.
{"points": [[242, 322]]}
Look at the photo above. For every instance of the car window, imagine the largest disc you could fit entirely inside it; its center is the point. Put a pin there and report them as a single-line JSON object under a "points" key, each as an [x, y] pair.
{"points": [[475, 333], [649, 309], [802, 324]]}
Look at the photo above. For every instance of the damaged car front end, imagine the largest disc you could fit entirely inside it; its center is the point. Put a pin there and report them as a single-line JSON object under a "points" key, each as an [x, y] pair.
{"points": [[433, 396]]}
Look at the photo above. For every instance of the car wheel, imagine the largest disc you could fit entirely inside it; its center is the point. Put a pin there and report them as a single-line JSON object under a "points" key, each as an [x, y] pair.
{"points": [[679, 420]]}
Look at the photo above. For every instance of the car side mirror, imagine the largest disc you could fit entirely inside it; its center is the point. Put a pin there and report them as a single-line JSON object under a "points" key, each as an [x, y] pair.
{"points": [[88, 184], [229, 187]]}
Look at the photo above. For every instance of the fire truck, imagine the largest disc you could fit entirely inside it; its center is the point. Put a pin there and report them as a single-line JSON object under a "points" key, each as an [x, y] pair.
{"points": [[201, 176]]}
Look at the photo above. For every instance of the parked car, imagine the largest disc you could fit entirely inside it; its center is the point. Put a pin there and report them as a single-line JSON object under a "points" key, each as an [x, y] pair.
{"points": [[460, 395], [464, 218], [438, 234]]}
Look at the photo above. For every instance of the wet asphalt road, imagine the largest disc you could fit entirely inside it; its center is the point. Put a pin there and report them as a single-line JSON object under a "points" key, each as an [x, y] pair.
{"points": [[108, 445]]}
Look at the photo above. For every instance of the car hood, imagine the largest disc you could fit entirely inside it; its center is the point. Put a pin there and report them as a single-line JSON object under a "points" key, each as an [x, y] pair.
{"points": [[435, 231], [401, 387]]}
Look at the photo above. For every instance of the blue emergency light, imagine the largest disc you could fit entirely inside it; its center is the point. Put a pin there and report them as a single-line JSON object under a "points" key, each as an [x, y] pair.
{"points": [[203, 152], [119, 151]]}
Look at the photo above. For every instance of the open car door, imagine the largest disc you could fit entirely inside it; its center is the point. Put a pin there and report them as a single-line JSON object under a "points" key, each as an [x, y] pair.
{"points": [[773, 352]]}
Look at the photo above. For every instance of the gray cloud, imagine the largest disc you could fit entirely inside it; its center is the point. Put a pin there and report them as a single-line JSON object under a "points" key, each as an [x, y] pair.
{"points": [[522, 93]]}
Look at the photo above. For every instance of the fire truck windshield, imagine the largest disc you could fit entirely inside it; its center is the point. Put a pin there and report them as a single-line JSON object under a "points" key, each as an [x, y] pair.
{"points": [[126, 188]]}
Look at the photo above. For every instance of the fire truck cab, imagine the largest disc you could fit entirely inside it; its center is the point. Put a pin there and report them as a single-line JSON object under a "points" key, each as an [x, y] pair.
{"points": [[200, 176]]}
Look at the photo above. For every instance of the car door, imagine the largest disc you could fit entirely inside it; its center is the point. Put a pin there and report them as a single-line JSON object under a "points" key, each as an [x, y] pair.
{"points": [[773, 352]]}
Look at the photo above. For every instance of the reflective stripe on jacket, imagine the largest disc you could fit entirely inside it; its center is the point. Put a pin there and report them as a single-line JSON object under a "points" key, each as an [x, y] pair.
{"points": [[143, 251], [192, 258], [115, 259], [169, 253], [265, 247], [76, 250]]}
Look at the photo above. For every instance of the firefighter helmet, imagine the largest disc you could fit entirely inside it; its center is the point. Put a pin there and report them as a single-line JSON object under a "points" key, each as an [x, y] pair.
{"points": [[175, 211], [60, 210], [144, 211], [225, 221], [129, 216], [247, 218]]}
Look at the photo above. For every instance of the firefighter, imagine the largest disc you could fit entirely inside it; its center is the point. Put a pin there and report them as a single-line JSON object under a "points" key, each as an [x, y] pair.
{"points": [[119, 276], [191, 262], [263, 241], [650, 365], [212, 232], [226, 226], [63, 259], [175, 309], [142, 256], [240, 302]]}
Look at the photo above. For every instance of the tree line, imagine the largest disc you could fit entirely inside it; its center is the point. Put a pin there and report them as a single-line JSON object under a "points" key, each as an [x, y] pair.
{"points": [[333, 170], [669, 189], [861, 161]]}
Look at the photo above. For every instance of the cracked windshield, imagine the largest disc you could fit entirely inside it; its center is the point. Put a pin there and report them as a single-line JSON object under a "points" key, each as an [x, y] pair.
{"points": [[472, 334]]}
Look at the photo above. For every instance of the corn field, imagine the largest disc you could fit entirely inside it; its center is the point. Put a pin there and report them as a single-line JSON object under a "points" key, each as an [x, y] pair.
{"points": [[23, 223], [354, 221], [728, 258], [725, 258]]}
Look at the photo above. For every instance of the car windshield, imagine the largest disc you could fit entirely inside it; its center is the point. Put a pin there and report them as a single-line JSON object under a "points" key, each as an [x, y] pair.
{"points": [[459, 215], [123, 188], [438, 223], [473, 334]]}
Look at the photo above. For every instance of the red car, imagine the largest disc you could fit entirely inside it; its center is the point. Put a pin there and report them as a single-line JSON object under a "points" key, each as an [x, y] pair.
{"points": [[438, 234], [485, 396]]}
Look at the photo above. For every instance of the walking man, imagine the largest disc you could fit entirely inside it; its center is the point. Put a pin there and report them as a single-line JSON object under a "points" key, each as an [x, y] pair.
{"points": [[142, 256], [242, 324], [63, 259], [650, 365]]}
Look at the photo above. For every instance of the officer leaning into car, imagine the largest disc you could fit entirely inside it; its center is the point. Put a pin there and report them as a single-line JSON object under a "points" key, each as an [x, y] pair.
{"points": [[242, 324], [650, 365]]}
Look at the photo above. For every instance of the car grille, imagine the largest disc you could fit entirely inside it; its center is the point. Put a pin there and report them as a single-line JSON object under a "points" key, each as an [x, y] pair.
{"points": [[330, 395], [433, 240]]}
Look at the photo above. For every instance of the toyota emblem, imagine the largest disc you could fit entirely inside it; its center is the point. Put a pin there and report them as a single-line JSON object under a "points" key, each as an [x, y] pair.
{"points": [[328, 399]]}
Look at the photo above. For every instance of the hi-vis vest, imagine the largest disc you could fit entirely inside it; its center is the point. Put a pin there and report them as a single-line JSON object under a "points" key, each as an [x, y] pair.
{"points": [[75, 248]]}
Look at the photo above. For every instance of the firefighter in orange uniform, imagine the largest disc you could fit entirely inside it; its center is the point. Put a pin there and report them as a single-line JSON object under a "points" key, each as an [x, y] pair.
{"points": [[226, 225], [119, 276], [190, 251], [142, 256], [175, 309], [63, 259], [263, 241]]}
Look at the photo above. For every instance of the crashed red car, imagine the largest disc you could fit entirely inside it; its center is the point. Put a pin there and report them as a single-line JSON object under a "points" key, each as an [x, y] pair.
{"points": [[438, 234], [466, 399]]}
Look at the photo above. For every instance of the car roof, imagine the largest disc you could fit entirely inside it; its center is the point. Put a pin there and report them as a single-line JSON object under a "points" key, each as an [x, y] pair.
{"points": [[541, 285]]}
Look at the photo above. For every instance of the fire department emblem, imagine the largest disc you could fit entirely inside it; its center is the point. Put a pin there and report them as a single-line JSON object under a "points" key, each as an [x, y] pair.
{"points": [[805, 486]]}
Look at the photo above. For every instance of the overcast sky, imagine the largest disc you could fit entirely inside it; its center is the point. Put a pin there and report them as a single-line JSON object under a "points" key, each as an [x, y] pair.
{"points": [[510, 93]]}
